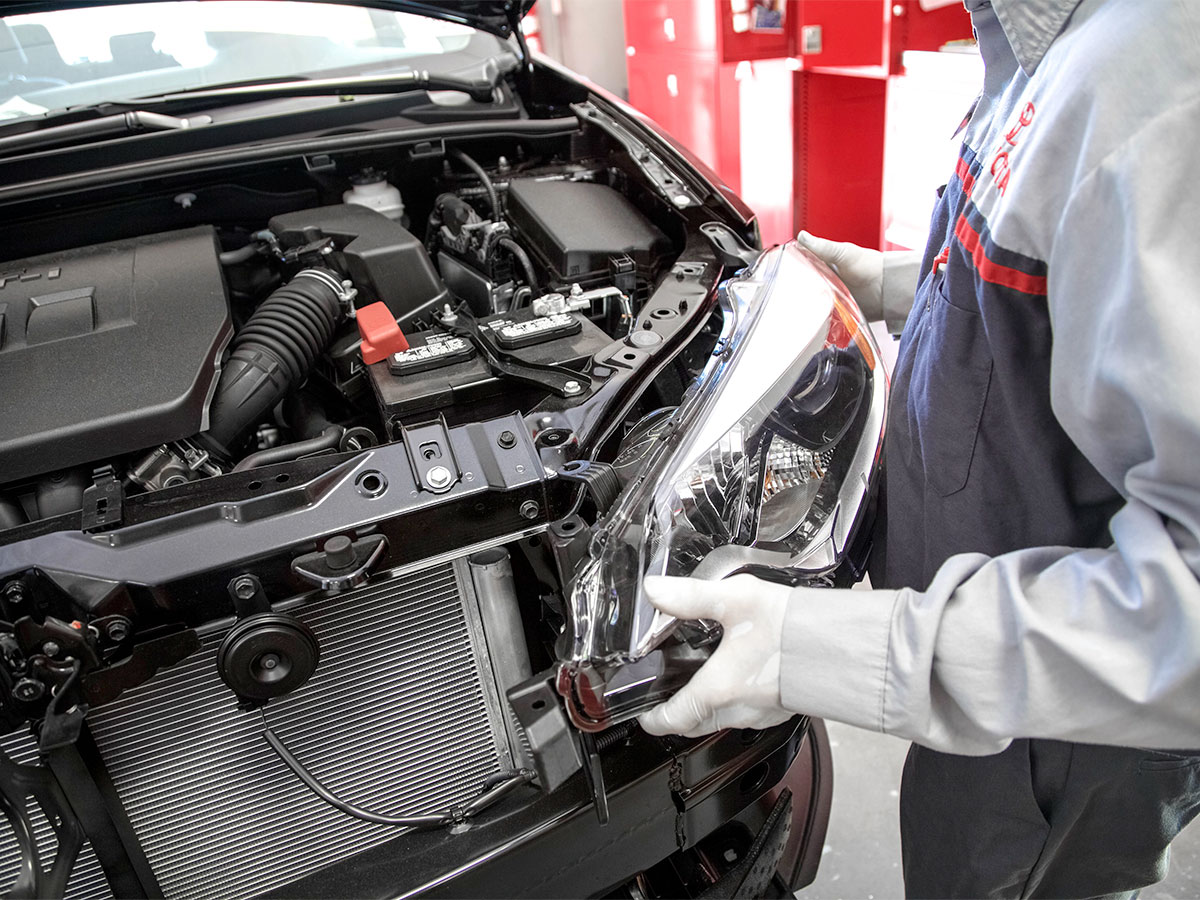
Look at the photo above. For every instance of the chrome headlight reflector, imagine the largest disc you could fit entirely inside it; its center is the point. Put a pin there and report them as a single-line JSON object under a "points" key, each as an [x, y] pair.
{"points": [[767, 466]]}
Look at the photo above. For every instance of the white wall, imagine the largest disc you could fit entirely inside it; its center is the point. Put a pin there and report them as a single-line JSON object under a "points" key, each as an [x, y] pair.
{"points": [[587, 36]]}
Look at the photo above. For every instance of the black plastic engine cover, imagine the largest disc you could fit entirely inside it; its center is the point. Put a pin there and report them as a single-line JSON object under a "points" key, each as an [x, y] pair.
{"points": [[108, 349], [383, 259]]}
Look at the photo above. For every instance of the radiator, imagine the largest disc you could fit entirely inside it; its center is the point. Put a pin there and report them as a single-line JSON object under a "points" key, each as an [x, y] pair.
{"points": [[397, 719]]}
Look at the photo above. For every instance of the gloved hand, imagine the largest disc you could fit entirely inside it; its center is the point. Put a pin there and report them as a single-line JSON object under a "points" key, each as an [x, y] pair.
{"points": [[738, 687], [860, 269]]}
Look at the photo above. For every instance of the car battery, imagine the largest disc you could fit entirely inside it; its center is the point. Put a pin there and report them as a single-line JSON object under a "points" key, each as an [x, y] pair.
{"points": [[444, 373]]}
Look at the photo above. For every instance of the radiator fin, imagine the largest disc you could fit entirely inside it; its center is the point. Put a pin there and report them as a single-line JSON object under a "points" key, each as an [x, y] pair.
{"points": [[395, 720]]}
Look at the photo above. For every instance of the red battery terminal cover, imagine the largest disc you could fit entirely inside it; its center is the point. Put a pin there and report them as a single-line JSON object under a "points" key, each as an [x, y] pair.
{"points": [[381, 336]]}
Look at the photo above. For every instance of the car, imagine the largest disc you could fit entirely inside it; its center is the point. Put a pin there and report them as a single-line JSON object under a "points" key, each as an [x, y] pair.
{"points": [[357, 367]]}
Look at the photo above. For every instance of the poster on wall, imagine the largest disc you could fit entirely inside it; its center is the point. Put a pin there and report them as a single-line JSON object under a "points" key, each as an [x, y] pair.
{"points": [[758, 16]]}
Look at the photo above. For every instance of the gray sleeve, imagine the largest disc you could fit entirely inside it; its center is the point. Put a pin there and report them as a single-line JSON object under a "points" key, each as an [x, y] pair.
{"points": [[901, 269], [1093, 645]]}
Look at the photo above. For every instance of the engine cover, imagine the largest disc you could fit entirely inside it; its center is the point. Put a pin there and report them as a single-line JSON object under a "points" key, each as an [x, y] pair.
{"points": [[108, 349]]}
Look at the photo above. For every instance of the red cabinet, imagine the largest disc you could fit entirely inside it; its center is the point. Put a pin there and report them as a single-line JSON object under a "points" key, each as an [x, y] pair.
{"points": [[841, 100], [793, 119], [839, 33], [696, 75]]}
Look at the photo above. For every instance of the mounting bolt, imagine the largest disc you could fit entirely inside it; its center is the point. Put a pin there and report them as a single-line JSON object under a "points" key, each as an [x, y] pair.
{"points": [[14, 592], [572, 387], [51, 649], [116, 630], [269, 661], [681, 200], [244, 588], [507, 440], [530, 509], [27, 690], [438, 477]]}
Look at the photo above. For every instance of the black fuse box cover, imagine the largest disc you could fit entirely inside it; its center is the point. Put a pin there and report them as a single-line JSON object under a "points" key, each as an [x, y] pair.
{"points": [[577, 226], [468, 391], [108, 349]]}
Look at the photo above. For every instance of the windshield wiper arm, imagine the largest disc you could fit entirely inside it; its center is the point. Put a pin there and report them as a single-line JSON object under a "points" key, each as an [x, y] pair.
{"points": [[393, 83], [140, 115], [131, 122]]}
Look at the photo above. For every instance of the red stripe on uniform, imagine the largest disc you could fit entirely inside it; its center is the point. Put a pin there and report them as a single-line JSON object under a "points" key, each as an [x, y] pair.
{"points": [[993, 272], [963, 171]]}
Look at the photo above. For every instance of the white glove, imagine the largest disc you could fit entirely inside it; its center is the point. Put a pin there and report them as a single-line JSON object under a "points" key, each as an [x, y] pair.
{"points": [[738, 687], [860, 269]]}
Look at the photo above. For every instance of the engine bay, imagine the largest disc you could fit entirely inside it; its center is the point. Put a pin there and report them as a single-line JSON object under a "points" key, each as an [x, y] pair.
{"points": [[342, 327], [307, 371]]}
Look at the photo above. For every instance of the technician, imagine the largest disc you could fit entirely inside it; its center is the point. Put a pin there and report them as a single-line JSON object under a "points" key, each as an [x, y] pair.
{"points": [[1040, 545]]}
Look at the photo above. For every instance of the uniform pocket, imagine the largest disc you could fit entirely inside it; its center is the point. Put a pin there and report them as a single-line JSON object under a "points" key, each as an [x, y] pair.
{"points": [[1162, 761], [951, 375]]}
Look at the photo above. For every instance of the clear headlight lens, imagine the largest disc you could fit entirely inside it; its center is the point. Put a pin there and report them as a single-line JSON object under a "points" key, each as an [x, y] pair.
{"points": [[766, 466]]}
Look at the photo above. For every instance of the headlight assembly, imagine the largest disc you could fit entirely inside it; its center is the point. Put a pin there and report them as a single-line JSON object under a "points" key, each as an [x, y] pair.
{"points": [[766, 466]]}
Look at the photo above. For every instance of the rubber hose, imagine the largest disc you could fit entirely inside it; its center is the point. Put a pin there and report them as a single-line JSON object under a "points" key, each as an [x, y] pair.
{"points": [[326, 440], [240, 255], [305, 414], [493, 200], [522, 259], [273, 353]]}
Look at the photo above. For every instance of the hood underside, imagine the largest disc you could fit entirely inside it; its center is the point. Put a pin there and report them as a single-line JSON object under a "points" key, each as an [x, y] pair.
{"points": [[494, 16]]}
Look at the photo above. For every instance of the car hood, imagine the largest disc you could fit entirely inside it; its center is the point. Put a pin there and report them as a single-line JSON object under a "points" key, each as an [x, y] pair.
{"points": [[495, 16]]}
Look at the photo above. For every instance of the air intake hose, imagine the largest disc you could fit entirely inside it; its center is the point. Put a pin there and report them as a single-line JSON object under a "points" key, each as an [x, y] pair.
{"points": [[273, 353]]}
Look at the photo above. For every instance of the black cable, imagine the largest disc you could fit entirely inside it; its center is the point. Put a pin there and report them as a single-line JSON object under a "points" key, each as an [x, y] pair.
{"points": [[434, 821], [493, 200], [494, 788], [522, 258], [326, 440]]}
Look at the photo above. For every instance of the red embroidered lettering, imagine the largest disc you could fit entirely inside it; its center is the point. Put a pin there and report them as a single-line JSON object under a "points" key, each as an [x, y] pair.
{"points": [[1001, 163], [1001, 160]]}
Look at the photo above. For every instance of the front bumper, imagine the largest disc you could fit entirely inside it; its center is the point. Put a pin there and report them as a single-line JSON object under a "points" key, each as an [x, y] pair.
{"points": [[664, 795]]}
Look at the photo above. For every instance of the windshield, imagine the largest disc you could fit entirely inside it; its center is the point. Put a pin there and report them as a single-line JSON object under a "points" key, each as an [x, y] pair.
{"points": [[84, 56]]}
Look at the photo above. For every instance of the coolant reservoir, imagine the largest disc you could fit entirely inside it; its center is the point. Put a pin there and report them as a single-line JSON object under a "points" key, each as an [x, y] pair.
{"points": [[369, 188]]}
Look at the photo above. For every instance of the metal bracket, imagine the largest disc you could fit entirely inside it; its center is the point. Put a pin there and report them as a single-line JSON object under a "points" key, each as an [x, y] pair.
{"points": [[558, 379], [431, 455], [326, 568], [248, 596], [144, 663]]}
